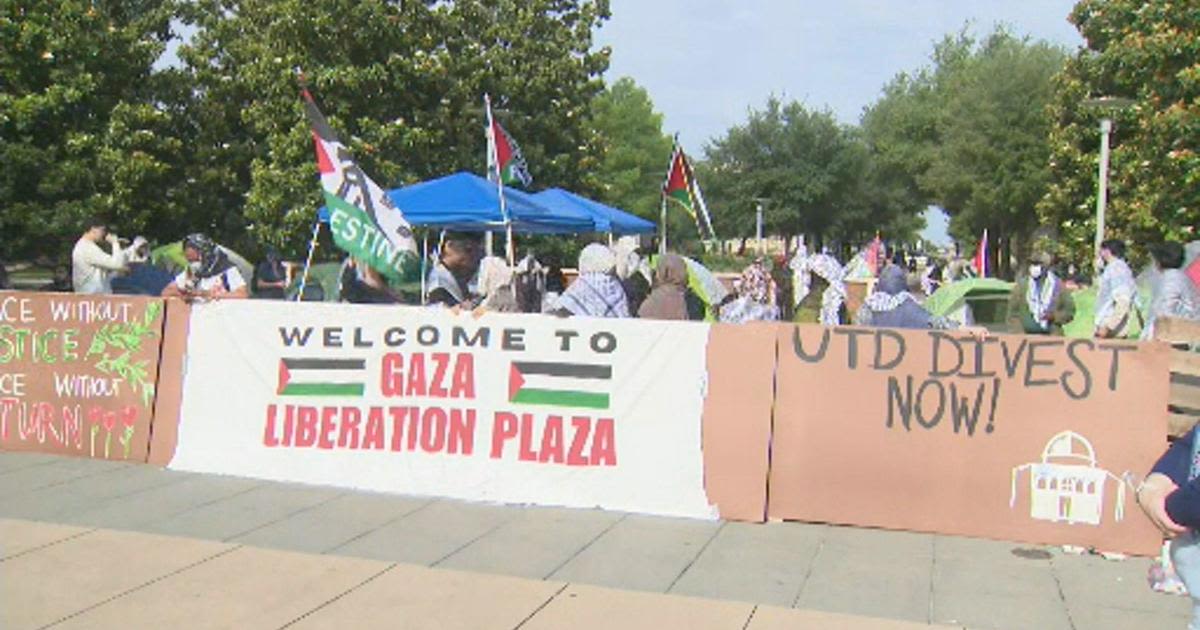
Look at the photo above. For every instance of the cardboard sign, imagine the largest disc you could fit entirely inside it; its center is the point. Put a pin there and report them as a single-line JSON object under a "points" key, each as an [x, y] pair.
{"points": [[574, 412], [78, 373], [1012, 437]]}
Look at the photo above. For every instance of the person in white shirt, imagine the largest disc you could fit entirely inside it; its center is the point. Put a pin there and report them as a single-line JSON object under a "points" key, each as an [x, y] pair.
{"points": [[91, 267], [209, 275]]}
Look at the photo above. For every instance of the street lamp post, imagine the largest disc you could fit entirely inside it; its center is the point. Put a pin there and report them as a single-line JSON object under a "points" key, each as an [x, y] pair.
{"points": [[1102, 190], [1106, 104], [758, 224]]}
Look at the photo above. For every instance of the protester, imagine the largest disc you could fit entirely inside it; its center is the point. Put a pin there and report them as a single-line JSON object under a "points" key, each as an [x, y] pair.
{"points": [[555, 285], [596, 292], [270, 278], [633, 272], [453, 281], [61, 281], [360, 284], [1170, 498], [142, 278], [91, 267], [1174, 295], [931, 279], [755, 297], [670, 298], [891, 305], [496, 286], [1115, 295], [1040, 303], [820, 290], [529, 284], [210, 275]]}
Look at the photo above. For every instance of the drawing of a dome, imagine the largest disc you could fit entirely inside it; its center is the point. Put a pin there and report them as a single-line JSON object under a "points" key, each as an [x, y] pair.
{"points": [[1069, 447]]}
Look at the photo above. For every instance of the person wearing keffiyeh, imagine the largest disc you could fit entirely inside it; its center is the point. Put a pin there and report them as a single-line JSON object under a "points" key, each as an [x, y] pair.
{"points": [[1040, 304], [756, 297], [596, 292]]}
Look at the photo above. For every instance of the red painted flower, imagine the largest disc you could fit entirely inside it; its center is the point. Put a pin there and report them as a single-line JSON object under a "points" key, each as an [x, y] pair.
{"points": [[129, 417], [110, 421]]}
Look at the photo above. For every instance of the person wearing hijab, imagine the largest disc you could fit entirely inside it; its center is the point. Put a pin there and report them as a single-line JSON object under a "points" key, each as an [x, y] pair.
{"points": [[496, 286], [892, 306], [1114, 297], [1040, 304], [453, 281], [820, 289], [633, 272], [668, 298], [209, 275], [1175, 295], [756, 295], [596, 292]]}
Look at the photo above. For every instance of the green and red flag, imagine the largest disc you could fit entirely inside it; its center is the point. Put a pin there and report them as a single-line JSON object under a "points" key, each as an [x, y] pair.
{"points": [[505, 161], [681, 186], [364, 221], [321, 377], [559, 384]]}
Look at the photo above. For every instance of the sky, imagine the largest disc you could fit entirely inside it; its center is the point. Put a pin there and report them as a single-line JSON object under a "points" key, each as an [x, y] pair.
{"points": [[705, 62]]}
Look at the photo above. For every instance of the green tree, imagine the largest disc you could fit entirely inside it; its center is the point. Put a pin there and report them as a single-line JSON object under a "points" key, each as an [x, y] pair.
{"points": [[84, 124], [970, 134], [402, 84], [1147, 51], [808, 171], [636, 150]]}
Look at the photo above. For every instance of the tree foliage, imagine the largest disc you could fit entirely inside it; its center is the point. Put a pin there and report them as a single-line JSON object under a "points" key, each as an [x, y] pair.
{"points": [[1147, 51], [83, 130], [402, 84], [636, 150], [969, 134], [813, 176]]}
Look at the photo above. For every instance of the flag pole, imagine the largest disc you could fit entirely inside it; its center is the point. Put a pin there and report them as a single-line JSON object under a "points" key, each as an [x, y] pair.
{"points": [[662, 227], [494, 168], [312, 247]]}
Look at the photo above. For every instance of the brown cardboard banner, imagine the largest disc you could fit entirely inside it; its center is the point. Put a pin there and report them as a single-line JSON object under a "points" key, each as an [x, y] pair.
{"points": [[737, 419], [78, 374], [1012, 437]]}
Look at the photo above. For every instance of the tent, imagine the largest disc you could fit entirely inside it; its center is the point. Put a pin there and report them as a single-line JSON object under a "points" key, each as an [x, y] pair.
{"points": [[464, 201], [605, 218], [986, 297]]}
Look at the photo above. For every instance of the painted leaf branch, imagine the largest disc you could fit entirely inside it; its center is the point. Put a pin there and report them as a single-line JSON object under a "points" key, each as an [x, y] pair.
{"points": [[115, 345]]}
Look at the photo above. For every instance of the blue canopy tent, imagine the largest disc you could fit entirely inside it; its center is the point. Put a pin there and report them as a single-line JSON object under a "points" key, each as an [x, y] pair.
{"points": [[606, 218], [468, 202]]}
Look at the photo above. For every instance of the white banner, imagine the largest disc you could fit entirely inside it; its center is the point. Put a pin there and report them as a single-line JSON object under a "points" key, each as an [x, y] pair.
{"points": [[571, 412]]}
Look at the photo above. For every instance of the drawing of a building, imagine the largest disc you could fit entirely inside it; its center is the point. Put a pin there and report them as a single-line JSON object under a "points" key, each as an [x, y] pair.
{"points": [[1067, 485]]}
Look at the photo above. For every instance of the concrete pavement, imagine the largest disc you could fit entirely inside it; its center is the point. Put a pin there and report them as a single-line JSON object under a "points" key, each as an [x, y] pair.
{"points": [[89, 543]]}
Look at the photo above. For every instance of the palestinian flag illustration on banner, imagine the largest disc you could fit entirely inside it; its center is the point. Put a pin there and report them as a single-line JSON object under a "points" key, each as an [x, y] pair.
{"points": [[321, 377], [556, 384], [364, 221], [682, 187]]}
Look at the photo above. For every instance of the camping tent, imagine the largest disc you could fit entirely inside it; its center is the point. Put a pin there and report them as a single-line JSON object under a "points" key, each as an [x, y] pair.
{"points": [[605, 218], [464, 201], [986, 297]]}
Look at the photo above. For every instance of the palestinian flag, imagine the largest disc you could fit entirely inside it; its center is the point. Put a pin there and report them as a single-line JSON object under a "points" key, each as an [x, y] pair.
{"points": [[981, 255], [364, 221], [552, 384], [681, 186], [321, 377], [504, 156]]}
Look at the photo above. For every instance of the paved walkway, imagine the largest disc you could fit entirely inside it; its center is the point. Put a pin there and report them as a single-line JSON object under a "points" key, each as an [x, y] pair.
{"points": [[95, 544]]}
